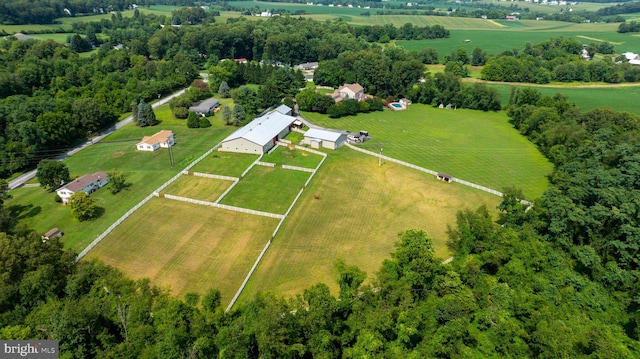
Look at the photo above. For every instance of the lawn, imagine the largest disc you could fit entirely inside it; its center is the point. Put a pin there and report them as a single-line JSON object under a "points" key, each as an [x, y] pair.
{"points": [[480, 147], [145, 171], [187, 247], [361, 210], [202, 188], [225, 163], [267, 189], [291, 156]]}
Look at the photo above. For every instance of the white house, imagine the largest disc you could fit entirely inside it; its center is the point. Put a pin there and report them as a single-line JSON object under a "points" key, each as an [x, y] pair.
{"points": [[163, 138], [348, 91], [317, 138], [259, 135], [86, 183]]}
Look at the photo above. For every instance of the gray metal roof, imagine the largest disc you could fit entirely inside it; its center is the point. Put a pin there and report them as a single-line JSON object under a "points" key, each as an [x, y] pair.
{"points": [[283, 109], [205, 106], [323, 134], [263, 129]]}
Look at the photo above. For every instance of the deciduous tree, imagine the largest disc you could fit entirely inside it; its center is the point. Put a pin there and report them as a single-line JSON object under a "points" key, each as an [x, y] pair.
{"points": [[52, 174]]}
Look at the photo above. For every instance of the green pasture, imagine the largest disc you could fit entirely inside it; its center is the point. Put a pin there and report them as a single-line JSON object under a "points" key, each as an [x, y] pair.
{"points": [[586, 98], [292, 157], [480, 147], [360, 211], [267, 189], [145, 171], [225, 163], [201, 188], [187, 247]]}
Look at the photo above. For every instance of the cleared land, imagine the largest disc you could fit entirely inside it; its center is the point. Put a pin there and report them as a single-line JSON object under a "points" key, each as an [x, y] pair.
{"points": [[267, 189], [361, 210], [480, 147], [145, 171], [187, 247], [202, 188]]}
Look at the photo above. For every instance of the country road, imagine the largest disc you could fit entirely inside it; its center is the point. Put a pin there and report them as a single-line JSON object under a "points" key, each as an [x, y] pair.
{"points": [[20, 180]]}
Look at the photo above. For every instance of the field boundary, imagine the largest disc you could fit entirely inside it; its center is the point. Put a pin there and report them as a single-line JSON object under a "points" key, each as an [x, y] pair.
{"points": [[223, 206], [297, 168], [209, 175]]}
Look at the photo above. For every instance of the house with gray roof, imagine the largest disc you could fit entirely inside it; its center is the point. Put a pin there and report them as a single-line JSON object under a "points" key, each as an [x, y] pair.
{"points": [[206, 107], [87, 183], [259, 135]]}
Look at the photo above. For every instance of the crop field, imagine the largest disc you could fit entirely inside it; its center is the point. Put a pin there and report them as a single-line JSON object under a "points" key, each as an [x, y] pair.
{"points": [[586, 98], [225, 163], [293, 157], [480, 147], [145, 171], [187, 247], [361, 210], [267, 189], [202, 188]]}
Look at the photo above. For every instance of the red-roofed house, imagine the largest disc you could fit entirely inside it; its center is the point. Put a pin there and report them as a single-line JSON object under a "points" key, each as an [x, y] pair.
{"points": [[86, 183], [163, 138], [349, 91]]}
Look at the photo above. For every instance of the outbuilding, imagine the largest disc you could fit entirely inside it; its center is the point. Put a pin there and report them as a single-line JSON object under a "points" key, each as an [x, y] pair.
{"points": [[53, 232], [259, 135], [444, 177], [317, 138]]}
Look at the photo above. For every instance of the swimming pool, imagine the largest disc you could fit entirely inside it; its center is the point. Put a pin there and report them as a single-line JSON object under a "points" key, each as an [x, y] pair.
{"points": [[397, 106]]}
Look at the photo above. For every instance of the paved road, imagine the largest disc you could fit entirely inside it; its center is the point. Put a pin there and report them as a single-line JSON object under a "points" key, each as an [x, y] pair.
{"points": [[20, 180]]}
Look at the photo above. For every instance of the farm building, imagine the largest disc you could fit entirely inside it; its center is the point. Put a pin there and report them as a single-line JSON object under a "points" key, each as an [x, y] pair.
{"points": [[53, 232], [284, 109], [163, 138], [259, 135], [444, 177], [349, 91], [86, 183], [206, 107], [317, 138]]}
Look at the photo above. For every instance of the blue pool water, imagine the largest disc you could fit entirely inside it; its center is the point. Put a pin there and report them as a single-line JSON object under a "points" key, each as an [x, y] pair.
{"points": [[396, 105]]}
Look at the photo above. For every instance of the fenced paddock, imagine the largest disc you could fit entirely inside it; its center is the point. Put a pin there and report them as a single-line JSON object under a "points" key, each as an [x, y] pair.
{"points": [[225, 163], [201, 188], [298, 156]]}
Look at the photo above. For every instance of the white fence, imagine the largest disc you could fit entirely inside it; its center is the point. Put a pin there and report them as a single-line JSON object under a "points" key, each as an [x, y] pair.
{"points": [[246, 279], [250, 167], [227, 191], [296, 168], [224, 206], [140, 204], [265, 164], [209, 175]]}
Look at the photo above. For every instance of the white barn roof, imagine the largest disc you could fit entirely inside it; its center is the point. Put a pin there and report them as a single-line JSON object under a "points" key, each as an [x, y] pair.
{"points": [[323, 134], [283, 109], [263, 129]]}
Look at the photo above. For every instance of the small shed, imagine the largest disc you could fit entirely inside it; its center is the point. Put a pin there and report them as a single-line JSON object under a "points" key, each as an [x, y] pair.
{"points": [[317, 138], [298, 124], [53, 232], [444, 177]]}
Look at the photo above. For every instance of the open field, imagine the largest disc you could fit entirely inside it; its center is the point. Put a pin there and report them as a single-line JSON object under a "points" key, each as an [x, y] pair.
{"points": [[293, 157], [202, 188], [267, 189], [187, 247], [361, 210], [225, 163], [146, 171], [480, 147]]}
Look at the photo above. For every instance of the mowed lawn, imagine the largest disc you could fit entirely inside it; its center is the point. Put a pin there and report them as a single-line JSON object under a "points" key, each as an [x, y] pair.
{"points": [[225, 163], [361, 210], [187, 247], [267, 189], [202, 188], [145, 171], [293, 157], [480, 147]]}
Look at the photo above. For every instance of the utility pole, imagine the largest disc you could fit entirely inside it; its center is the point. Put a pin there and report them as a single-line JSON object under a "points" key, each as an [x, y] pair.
{"points": [[170, 151], [380, 158]]}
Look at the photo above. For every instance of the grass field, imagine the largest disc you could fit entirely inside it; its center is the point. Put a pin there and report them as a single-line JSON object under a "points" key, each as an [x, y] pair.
{"points": [[225, 163], [361, 210], [267, 189], [480, 147], [204, 189], [146, 171], [292, 157], [187, 247]]}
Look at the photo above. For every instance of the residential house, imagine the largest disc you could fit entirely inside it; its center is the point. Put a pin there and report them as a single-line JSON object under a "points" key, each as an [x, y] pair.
{"points": [[206, 107], [349, 91], [162, 139], [86, 183]]}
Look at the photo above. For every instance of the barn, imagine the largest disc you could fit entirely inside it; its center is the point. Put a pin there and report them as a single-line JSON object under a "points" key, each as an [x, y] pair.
{"points": [[259, 135], [317, 138]]}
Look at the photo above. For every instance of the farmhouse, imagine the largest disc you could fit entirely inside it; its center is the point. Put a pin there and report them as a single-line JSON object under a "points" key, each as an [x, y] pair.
{"points": [[86, 183], [259, 135], [348, 91], [632, 58], [163, 138], [317, 138], [206, 107]]}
